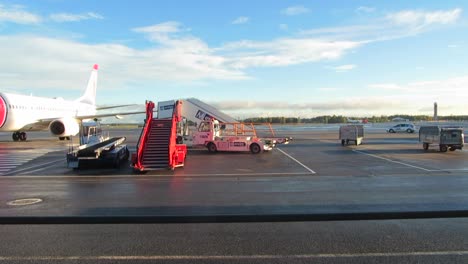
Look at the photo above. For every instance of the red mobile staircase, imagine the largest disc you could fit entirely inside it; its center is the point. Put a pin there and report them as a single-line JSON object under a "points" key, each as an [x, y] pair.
{"points": [[157, 148]]}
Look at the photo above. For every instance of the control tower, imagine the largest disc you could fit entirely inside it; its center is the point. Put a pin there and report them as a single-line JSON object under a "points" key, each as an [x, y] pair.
{"points": [[435, 111]]}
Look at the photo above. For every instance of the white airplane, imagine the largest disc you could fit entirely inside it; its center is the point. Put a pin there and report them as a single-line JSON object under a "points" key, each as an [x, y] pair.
{"points": [[21, 113], [355, 121]]}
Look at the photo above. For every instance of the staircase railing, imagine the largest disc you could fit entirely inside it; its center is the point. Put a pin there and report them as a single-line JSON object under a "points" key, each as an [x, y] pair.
{"points": [[144, 135], [176, 117]]}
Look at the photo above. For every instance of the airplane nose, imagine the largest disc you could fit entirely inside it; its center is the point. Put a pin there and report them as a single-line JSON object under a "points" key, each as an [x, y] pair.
{"points": [[3, 111]]}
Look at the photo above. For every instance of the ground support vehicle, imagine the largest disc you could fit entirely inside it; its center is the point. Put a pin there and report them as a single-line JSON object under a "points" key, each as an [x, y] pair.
{"points": [[351, 133], [158, 147], [110, 152], [194, 111], [95, 148], [408, 128], [229, 137], [447, 138]]}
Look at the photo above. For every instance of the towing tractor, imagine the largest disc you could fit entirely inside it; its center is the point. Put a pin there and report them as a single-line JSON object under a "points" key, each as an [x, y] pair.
{"points": [[234, 137]]}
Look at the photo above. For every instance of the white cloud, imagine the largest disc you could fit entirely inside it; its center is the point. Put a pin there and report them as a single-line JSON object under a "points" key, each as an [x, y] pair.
{"points": [[419, 19], [161, 32], [352, 104], [67, 17], [17, 14], [365, 9], [343, 68], [284, 52], [455, 86], [452, 46], [179, 63], [417, 101], [245, 54], [391, 26], [450, 94], [240, 20], [294, 10], [385, 86], [166, 27]]}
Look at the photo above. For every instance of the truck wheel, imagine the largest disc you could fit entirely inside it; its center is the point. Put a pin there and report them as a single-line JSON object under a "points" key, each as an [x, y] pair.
{"points": [[443, 148], [255, 148], [452, 149], [342, 142], [212, 148], [425, 146]]}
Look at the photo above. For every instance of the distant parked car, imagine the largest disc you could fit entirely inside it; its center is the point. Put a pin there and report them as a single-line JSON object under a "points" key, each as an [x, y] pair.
{"points": [[408, 128]]}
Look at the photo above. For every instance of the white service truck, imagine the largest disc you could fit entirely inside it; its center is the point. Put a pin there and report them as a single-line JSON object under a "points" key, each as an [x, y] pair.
{"points": [[218, 137]]}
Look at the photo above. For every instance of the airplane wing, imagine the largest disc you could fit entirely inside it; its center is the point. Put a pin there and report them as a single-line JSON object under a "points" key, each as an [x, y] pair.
{"points": [[116, 115], [114, 106]]}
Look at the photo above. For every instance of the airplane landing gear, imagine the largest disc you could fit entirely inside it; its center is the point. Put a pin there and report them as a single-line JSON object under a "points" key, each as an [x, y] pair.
{"points": [[19, 136]]}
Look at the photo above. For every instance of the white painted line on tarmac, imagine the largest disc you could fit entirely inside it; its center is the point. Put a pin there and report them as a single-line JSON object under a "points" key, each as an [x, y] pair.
{"points": [[237, 257], [337, 142], [40, 169], [442, 170], [154, 175], [393, 161], [37, 166], [245, 174], [298, 162]]}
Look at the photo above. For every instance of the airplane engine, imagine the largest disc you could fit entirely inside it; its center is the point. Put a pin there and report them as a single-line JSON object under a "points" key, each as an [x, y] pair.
{"points": [[64, 127]]}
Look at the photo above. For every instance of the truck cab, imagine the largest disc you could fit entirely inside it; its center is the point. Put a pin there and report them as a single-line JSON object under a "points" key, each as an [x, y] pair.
{"points": [[91, 133]]}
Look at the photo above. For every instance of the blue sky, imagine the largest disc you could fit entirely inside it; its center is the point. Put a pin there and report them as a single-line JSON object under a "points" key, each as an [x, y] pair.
{"points": [[249, 58]]}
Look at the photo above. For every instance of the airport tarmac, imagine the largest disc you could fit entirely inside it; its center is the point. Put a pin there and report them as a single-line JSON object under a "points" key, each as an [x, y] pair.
{"points": [[389, 171], [313, 179]]}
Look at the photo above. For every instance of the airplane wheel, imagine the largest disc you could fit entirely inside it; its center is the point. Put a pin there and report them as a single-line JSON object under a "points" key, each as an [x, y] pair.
{"points": [[61, 138], [22, 136], [15, 136]]}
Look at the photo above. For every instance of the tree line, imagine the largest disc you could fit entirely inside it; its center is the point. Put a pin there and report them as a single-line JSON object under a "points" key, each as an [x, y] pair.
{"points": [[336, 119]]}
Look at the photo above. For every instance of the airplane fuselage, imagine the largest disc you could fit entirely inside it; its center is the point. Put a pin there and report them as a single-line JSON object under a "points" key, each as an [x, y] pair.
{"points": [[22, 112]]}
